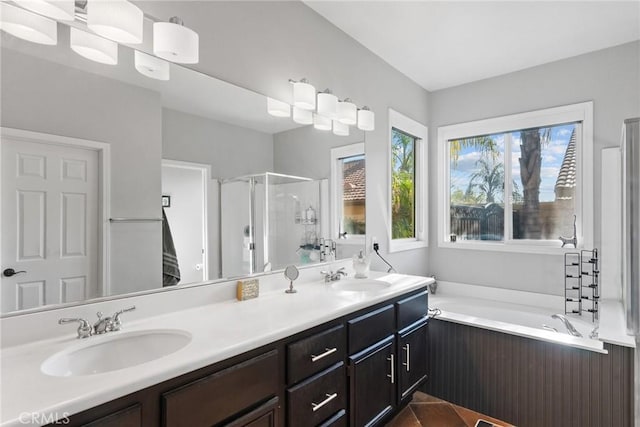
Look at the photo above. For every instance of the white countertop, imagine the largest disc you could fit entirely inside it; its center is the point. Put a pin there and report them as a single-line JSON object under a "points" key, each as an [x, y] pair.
{"points": [[219, 331]]}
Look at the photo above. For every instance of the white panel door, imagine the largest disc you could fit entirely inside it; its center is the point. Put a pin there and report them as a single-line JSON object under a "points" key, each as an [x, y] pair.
{"points": [[49, 224]]}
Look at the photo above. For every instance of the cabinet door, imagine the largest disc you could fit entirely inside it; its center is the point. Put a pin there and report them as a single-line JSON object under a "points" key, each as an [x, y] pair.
{"points": [[266, 415], [373, 383], [412, 359]]}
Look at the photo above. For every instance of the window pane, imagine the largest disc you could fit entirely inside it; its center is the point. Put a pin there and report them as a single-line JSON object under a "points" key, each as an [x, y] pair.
{"points": [[477, 188], [353, 194], [544, 181], [403, 185]]}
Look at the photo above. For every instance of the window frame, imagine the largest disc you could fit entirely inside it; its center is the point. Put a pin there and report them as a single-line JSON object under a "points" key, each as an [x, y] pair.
{"points": [[421, 134], [337, 154], [580, 112]]}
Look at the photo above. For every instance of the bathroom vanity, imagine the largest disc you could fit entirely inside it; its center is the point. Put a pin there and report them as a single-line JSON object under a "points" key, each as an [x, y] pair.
{"points": [[354, 360]]}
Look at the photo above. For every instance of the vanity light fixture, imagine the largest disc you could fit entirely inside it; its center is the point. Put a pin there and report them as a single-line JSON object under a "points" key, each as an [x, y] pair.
{"points": [[62, 10], [150, 66], [304, 94], [347, 112], [303, 117], [94, 47], [175, 42], [321, 122], [278, 108], [340, 129], [327, 104], [27, 26], [117, 20], [366, 119]]}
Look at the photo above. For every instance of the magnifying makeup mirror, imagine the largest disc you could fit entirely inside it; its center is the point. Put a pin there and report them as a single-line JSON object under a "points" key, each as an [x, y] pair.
{"points": [[291, 273]]}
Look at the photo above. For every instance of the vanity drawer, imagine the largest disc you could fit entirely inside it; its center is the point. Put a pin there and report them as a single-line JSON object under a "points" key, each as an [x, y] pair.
{"points": [[315, 353], [216, 397], [412, 309], [318, 398], [371, 328], [337, 420]]}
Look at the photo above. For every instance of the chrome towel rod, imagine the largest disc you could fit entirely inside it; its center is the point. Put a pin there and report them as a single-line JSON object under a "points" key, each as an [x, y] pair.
{"points": [[135, 219]]}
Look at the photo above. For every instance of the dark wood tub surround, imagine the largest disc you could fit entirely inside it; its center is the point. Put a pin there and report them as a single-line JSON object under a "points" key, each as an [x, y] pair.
{"points": [[527, 382]]}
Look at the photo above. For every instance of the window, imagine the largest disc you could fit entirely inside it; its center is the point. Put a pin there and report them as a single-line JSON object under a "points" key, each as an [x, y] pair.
{"points": [[518, 181], [407, 171], [348, 192]]}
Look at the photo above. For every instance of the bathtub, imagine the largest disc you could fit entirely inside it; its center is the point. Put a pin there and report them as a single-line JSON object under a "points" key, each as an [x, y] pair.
{"points": [[503, 311]]}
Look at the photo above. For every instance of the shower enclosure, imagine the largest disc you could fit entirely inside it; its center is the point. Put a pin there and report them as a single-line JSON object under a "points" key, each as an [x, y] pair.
{"points": [[269, 221]]}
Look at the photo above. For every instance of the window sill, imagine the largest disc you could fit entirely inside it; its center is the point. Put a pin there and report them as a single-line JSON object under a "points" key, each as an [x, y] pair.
{"points": [[508, 247], [406, 245]]}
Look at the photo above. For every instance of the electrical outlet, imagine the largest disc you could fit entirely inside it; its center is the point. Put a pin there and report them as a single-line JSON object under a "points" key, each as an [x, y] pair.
{"points": [[374, 243]]}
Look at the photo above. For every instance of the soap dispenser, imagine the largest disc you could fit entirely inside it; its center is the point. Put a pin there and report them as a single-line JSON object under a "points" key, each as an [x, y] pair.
{"points": [[361, 264]]}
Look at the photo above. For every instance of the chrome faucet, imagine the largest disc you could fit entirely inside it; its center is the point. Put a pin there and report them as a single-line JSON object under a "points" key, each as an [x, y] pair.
{"points": [[102, 326], [570, 328], [330, 276]]}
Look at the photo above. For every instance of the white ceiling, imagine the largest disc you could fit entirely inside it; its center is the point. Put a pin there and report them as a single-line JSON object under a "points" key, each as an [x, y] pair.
{"points": [[448, 43]]}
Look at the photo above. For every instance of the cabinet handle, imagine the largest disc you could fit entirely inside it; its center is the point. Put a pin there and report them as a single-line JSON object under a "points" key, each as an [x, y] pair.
{"points": [[406, 348], [392, 375], [328, 351], [330, 397]]}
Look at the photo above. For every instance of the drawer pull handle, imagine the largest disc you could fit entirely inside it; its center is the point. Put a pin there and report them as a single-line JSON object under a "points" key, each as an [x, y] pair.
{"points": [[392, 375], [406, 348], [328, 351], [330, 397]]}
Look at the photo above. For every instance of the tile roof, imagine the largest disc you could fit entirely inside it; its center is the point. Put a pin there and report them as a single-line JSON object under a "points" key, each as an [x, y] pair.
{"points": [[566, 182], [354, 180]]}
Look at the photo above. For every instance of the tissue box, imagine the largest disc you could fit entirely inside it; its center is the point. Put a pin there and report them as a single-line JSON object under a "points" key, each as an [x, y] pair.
{"points": [[247, 289]]}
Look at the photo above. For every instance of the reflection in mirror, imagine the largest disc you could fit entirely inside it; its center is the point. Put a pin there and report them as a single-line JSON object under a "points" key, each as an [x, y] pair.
{"points": [[114, 182]]}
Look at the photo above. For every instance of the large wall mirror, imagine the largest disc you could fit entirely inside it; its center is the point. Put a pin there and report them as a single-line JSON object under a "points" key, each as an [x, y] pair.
{"points": [[114, 182]]}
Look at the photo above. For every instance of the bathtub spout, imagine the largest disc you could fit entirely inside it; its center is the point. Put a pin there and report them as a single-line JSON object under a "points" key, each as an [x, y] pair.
{"points": [[573, 331]]}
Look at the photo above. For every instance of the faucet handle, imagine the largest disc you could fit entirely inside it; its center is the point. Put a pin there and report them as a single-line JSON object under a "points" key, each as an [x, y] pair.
{"points": [[116, 322], [85, 330]]}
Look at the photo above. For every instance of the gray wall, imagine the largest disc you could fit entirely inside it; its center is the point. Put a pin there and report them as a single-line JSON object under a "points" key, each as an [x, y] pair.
{"points": [[43, 96], [610, 78], [230, 150]]}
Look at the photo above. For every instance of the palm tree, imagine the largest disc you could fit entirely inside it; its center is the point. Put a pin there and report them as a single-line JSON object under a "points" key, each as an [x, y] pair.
{"points": [[530, 168], [489, 180]]}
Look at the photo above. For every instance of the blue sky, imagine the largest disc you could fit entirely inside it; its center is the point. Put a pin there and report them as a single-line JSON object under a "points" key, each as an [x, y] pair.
{"points": [[552, 156]]}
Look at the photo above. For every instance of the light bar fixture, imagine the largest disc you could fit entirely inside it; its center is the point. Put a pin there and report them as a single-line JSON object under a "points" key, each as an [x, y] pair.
{"points": [[150, 66], [347, 112], [304, 94], [303, 117], [94, 47], [278, 108], [117, 20], [27, 26], [62, 10], [175, 42], [321, 122], [328, 104], [366, 119]]}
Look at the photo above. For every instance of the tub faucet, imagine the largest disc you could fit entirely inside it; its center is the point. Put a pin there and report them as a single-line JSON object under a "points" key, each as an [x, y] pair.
{"points": [[573, 331]]}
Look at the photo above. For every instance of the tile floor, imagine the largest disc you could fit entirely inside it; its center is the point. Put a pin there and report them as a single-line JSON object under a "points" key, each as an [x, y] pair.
{"points": [[427, 411]]}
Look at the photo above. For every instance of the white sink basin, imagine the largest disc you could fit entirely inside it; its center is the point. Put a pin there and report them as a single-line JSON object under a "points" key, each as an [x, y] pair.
{"points": [[112, 352], [360, 285]]}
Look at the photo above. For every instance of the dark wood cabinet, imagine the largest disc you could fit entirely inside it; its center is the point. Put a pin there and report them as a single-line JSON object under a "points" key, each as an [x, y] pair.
{"points": [[412, 359], [373, 383], [356, 370]]}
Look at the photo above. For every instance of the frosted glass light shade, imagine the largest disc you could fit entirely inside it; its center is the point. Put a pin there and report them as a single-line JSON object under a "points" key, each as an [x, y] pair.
{"points": [[347, 112], [117, 20], [278, 108], [366, 119], [94, 47], [176, 43], [150, 66], [321, 122], [340, 129], [303, 117], [328, 105], [27, 26], [62, 10], [304, 95]]}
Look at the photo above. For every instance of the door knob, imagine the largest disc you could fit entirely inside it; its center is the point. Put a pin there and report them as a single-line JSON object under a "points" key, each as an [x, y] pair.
{"points": [[8, 272]]}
